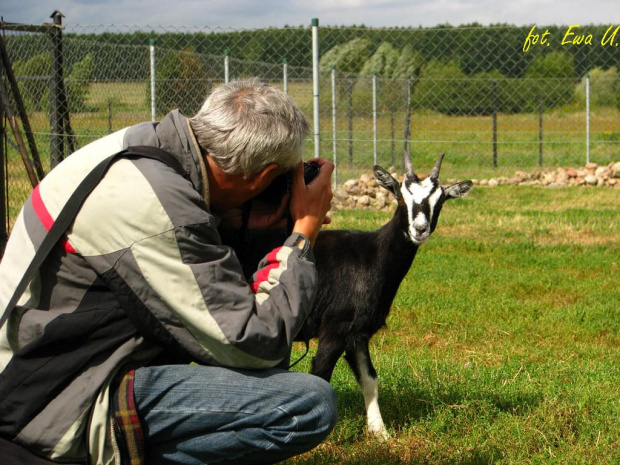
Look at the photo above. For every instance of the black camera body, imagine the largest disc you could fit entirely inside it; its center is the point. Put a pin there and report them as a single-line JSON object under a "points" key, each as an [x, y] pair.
{"points": [[283, 184]]}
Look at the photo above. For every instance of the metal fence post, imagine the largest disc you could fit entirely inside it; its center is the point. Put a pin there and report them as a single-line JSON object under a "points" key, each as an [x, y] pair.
{"points": [[350, 118], [374, 117], [495, 122], [226, 67], [56, 87], [334, 127], [285, 75], [588, 118], [315, 86], [407, 143], [540, 130], [153, 104]]}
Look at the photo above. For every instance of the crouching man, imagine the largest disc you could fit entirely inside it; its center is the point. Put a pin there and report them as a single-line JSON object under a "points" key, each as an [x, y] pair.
{"points": [[95, 357]]}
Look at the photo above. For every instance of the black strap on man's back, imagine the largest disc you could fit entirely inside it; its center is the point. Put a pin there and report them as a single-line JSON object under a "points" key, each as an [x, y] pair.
{"points": [[73, 205]]}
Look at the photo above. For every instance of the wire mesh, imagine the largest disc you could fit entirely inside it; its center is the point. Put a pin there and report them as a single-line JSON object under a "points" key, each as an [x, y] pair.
{"points": [[474, 92]]}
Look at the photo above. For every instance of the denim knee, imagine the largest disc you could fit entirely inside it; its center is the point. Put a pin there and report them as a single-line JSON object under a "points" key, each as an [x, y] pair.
{"points": [[325, 406]]}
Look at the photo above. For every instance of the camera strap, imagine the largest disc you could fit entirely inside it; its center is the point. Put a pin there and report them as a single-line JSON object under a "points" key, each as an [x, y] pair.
{"points": [[306, 340]]}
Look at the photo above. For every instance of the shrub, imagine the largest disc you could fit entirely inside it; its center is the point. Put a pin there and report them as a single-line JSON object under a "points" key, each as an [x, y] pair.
{"points": [[604, 88], [393, 67], [181, 82], [551, 76], [34, 77], [78, 83], [383, 61], [348, 57], [440, 87]]}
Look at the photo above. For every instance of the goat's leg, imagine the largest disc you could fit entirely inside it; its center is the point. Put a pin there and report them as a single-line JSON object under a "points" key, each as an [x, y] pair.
{"points": [[359, 360], [329, 351]]}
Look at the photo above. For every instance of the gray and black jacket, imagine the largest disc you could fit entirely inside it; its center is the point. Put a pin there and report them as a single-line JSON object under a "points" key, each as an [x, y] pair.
{"points": [[140, 278]]}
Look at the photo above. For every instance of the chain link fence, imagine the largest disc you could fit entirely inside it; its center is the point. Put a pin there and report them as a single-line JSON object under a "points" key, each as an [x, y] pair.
{"points": [[492, 98], [495, 99]]}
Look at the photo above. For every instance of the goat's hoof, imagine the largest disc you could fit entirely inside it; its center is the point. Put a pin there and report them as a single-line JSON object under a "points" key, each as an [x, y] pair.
{"points": [[379, 432]]}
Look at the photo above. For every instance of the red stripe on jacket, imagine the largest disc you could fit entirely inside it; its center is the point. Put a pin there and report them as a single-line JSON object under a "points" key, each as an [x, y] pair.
{"points": [[46, 219], [263, 274]]}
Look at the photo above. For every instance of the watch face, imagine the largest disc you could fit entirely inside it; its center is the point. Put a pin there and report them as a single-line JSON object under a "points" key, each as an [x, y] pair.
{"points": [[300, 243]]}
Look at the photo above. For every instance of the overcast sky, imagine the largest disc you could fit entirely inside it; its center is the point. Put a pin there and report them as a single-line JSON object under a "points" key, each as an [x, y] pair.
{"points": [[277, 13]]}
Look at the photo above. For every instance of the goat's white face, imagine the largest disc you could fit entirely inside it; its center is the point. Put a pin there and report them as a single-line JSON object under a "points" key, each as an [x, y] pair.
{"points": [[423, 199]]}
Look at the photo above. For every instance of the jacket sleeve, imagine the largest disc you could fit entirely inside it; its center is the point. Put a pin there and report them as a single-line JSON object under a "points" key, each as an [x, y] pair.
{"points": [[195, 287]]}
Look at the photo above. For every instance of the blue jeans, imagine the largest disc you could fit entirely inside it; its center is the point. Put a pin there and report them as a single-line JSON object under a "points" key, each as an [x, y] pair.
{"points": [[202, 415]]}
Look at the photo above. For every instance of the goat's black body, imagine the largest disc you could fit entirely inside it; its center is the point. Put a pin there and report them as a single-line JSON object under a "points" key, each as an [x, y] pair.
{"points": [[359, 275]]}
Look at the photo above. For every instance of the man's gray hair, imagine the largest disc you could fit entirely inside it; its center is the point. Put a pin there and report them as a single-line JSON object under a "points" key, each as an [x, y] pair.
{"points": [[247, 125]]}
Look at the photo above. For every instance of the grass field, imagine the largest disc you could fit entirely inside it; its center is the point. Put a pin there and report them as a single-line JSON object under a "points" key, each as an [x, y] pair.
{"points": [[503, 344]]}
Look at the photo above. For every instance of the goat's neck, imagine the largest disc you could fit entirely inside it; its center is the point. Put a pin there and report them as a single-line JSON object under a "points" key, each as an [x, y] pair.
{"points": [[396, 246]]}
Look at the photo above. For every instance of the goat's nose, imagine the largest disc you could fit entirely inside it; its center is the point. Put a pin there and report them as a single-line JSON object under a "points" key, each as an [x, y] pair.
{"points": [[421, 227]]}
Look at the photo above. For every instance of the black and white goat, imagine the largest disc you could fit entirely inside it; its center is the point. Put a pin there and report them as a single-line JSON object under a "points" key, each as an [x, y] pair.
{"points": [[360, 273]]}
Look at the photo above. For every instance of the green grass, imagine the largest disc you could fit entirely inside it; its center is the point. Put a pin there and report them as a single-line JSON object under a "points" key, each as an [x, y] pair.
{"points": [[503, 344]]}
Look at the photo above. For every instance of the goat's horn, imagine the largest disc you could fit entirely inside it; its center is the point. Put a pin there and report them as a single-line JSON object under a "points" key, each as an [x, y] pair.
{"points": [[408, 164], [435, 173]]}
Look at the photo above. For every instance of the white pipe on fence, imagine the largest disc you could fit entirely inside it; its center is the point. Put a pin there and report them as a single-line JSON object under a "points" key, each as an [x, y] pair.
{"points": [[285, 75], [152, 53], [334, 128], [226, 67], [315, 86], [588, 118], [374, 116]]}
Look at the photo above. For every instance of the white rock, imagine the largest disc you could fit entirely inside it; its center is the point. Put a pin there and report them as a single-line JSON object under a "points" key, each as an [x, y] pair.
{"points": [[591, 180], [363, 201], [349, 184], [340, 194]]}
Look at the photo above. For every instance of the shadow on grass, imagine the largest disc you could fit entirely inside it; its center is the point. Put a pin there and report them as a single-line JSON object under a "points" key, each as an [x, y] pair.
{"points": [[405, 405]]}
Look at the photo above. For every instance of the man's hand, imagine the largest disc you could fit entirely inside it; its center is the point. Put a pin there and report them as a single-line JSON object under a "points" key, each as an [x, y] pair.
{"points": [[310, 203]]}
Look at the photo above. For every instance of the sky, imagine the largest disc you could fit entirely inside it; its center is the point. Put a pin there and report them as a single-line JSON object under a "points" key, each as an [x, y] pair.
{"points": [[251, 14]]}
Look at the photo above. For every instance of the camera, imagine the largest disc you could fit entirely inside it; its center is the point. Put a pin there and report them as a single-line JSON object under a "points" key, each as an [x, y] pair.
{"points": [[283, 184], [252, 245]]}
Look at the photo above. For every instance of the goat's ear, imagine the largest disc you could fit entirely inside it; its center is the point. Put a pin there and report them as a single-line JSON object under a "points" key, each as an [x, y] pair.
{"points": [[458, 190], [387, 181]]}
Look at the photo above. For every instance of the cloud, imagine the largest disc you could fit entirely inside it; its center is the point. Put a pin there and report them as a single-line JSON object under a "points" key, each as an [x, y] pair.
{"points": [[277, 13]]}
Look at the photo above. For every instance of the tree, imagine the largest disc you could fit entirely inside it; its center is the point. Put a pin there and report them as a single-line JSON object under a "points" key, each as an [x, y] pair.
{"points": [[78, 83], [181, 82], [349, 57]]}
